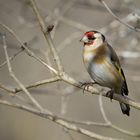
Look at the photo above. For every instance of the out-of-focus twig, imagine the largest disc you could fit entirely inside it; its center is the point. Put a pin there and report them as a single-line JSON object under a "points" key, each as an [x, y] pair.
{"points": [[66, 42], [74, 24], [59, 121], [12, 57], [130, 54], [47, 36], [63, 110], [117, 18], [109, 123], [29, 52], [102, 110], [15, 78], [5, 88], [57, 12]]}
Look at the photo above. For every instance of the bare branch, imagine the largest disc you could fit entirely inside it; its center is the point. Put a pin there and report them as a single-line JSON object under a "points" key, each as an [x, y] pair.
{"points": [[102, 110], [47, 36], [29, 52], [75, 24], [57, 14], [124, 131], [109, 123], [94, 90], [68, 41], [117, 18], [88, 123], [58, 120], [5, 88], [39, 83], [15, 78], [106, 124], [11, 58]]}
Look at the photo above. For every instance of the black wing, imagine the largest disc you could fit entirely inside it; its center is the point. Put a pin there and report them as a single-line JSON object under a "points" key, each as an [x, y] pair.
{"points": [[115, 60]]}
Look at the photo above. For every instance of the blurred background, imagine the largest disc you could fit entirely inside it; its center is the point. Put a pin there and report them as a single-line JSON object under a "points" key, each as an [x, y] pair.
{"points": [[70, 19]]}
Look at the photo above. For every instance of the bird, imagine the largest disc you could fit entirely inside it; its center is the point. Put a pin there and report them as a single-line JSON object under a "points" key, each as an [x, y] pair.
{"points": [[103, 66]]}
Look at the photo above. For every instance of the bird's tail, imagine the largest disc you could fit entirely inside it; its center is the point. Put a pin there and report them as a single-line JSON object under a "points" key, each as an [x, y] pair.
{"points": [[125, 108]]}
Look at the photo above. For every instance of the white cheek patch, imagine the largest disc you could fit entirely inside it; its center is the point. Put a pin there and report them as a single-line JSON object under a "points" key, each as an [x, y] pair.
{"points": [[97, 35]]}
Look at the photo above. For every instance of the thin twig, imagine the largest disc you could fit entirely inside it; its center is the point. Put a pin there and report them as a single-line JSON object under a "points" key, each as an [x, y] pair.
{"points": [[29, 52], [75, 24], [117, 18], [47, 36], [88, 123], [63, 111], [57, 14], [109, 123], [58, 120], [124, 131], [39, 83], [102, 110], [11, 58], [15, 78], [66, 42], [68, 133], [6, 88], [46, 53]]}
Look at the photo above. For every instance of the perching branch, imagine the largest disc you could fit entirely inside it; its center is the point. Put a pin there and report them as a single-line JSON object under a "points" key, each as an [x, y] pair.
{"points": [[94, 90]]}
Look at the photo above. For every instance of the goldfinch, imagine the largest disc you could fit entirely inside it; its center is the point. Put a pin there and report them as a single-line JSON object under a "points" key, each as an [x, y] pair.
{"points": [[103, 65]]}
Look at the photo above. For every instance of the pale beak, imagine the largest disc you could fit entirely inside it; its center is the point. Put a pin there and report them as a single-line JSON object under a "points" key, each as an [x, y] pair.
{"points": [[85, 39]]}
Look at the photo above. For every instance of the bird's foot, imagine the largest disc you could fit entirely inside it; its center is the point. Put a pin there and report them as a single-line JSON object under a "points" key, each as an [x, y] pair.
{"points": [[110, 94], [86, 85]]}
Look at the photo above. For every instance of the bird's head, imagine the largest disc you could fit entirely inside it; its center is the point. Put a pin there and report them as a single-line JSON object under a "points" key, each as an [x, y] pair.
{"points": [[93, 38]]}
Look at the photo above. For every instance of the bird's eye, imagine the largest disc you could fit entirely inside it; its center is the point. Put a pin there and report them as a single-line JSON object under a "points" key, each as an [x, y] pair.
{"points": [[91, 38]]}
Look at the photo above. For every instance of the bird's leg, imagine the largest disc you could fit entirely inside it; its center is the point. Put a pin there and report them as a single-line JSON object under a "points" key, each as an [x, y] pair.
{"points": [[110, 94], [86, 85]]}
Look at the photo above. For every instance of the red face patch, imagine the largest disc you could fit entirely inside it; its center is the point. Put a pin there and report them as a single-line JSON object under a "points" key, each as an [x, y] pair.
{"points": [[89, 34]]}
